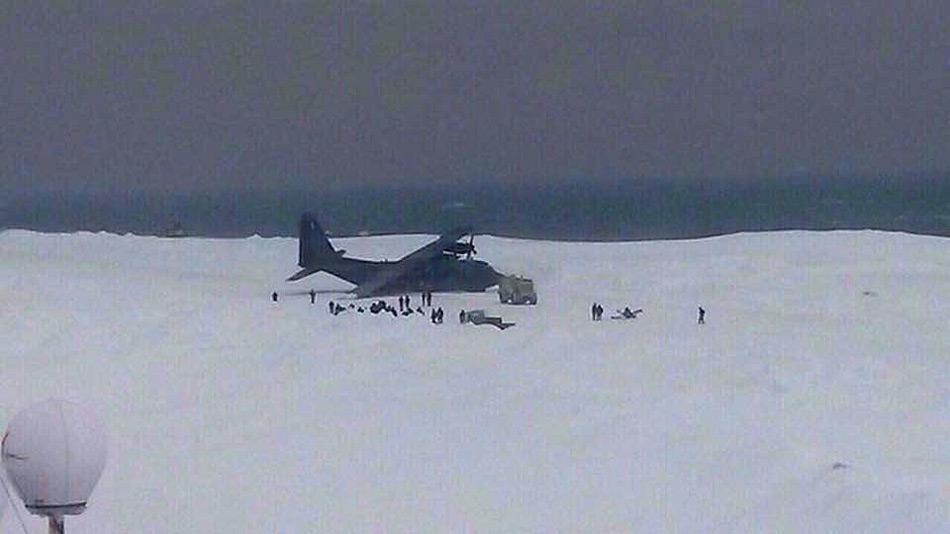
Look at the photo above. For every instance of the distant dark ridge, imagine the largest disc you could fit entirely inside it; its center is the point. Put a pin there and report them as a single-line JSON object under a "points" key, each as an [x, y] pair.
{"points": [[577, 211]]}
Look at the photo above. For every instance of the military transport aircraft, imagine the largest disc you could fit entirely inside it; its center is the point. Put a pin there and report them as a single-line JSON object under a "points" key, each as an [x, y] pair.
{"points": [[445, 264]]}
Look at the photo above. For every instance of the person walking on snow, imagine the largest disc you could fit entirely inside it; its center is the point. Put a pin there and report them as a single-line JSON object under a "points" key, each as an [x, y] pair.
{"points": [[702, 316], [313, 296]]}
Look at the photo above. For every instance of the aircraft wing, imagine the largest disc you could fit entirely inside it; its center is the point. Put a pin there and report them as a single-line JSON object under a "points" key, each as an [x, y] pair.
{"points": [[436, 247], [409, 262]]}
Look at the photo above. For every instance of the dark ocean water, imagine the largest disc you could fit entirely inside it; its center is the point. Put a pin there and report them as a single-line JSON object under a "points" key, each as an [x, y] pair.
{"points": [[577, 211]]}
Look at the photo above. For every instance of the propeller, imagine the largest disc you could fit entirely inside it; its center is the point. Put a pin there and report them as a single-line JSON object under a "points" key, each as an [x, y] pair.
{"points": [[462, 248], [471, 246]]}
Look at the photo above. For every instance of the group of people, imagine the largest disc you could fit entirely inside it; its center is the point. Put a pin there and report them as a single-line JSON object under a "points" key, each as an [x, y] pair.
{"points": [[313, 296], [426, 298], [436, 315], [337, 309], [405, 306], [597, 313], [627, 313]]}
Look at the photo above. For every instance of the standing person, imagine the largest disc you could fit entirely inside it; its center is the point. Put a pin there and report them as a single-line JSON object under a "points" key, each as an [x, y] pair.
{"points": [[408, 302], [702, 316], [600, 312], [440, 314], [313, 296], [273, 296], [330, 304], [401, 307], [593, 312]]}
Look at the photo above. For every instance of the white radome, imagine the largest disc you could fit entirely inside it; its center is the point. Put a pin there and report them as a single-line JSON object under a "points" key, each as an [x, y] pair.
{"points": [[53, 453]]}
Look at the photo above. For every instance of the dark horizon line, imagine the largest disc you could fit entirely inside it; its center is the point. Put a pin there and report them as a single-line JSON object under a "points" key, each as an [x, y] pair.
{"points": [[571, 211], [502, 235], [796, 179]]}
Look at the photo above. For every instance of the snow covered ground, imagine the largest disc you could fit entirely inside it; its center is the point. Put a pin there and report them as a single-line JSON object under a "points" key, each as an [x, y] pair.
{"points": [[227, 413]]}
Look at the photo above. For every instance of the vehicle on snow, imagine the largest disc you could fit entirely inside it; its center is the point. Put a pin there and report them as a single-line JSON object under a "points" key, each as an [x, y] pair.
{"points": [[516, 290], [478, 317]]}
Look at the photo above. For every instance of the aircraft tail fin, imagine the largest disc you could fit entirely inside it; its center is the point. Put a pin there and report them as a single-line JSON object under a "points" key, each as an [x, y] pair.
{"points": [[315, 248]]}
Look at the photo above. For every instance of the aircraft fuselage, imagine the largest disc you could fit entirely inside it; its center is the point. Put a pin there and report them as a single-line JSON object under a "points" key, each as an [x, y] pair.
{"points": [[437, 274], [438, 266]]}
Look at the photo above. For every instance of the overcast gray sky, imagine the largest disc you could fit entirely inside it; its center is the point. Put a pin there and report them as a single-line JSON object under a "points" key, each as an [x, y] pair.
{"points": [[207, 94]]}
